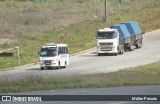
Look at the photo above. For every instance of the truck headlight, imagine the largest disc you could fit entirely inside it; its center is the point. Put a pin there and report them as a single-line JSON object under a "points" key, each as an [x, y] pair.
{"points": [[41, 61]]}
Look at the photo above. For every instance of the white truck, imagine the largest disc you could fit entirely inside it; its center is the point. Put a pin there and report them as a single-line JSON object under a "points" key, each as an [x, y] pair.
{"points": [[107, 41], [53, 55], [118, 38]]}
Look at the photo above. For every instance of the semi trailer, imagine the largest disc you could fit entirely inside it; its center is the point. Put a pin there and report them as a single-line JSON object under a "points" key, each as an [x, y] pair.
{"points": [[118, 38], [136, 33]]}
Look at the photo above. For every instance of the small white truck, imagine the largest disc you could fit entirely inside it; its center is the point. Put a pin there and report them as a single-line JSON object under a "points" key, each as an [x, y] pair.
{"points": [[53, 55]]}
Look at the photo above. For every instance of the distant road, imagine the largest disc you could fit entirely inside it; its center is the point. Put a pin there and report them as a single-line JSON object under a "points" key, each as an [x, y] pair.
{"points": [[139, 90], [89, 63]]}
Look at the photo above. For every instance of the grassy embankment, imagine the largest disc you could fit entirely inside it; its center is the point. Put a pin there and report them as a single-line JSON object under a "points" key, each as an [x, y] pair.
{"points": [[30, 25], [138, 76]]}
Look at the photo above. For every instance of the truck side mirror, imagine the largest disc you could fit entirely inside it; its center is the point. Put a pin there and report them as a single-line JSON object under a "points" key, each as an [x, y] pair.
{"points": [[38, 52]]}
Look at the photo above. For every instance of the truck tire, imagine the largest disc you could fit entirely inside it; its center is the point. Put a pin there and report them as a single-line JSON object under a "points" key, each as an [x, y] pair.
{"points": [[65, 64], [118, 50], [122, 50], [131, 48], [116, 54], [139, 44], [99, 54]]}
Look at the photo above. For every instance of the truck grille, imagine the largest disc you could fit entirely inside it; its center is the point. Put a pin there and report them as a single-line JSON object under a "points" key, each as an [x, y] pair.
{"points": [[106, 48], [108, 43], [47, 62]]}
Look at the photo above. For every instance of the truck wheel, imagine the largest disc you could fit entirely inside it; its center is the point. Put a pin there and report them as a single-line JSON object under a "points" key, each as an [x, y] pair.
{"points": [[116, 54], [120, 51], [49, 68], [42, 68], [131, 48], [139, 45]]}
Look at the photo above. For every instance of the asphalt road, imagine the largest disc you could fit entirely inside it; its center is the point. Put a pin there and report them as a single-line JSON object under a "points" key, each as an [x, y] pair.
{"points": [[89, 63], [133, 91]]}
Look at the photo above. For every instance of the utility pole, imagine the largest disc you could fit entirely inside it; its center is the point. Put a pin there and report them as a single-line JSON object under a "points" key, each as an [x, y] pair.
{"points": [[105, 10]]}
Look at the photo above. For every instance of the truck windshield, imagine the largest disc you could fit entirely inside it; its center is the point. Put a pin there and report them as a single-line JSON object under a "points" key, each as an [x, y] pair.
{"points": [[105, 35], [48, 51]]}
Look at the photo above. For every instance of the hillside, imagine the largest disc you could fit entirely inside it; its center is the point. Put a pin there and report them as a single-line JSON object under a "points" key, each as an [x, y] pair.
{"points": [[19, 19], [30, 24]]}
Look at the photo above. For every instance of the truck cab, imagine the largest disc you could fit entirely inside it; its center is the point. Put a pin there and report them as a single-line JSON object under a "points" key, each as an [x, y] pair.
{"points": [[107, 41]]}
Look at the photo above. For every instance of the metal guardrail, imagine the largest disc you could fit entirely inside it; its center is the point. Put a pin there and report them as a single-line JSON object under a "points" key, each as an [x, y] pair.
{"points": [[4, 53]]}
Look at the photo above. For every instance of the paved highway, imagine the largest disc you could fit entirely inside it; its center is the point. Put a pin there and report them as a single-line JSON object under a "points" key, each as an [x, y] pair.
{"points": [[89, 63]]}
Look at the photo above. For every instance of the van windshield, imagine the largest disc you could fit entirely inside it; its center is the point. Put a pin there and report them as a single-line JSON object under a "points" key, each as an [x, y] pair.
{"points": [[105, 35], [48, 51]]}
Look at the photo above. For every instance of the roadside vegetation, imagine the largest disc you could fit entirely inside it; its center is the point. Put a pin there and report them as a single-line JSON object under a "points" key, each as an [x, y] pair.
{"points": [[135, 76], [32, 23]]}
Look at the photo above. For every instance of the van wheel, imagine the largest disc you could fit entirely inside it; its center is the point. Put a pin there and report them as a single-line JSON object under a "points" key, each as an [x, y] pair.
{"points": [[65, 64], [42, 68]]}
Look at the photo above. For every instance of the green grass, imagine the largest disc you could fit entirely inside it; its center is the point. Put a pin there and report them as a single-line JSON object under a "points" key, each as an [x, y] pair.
{"points": [[136, 76], [32, 24]]}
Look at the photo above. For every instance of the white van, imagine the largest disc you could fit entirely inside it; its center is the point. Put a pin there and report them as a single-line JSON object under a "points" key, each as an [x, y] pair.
{"points": [[54, 56]]}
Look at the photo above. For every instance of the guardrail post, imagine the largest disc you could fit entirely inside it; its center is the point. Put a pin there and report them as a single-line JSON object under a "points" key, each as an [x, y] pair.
{"points": [[19, 62]]}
